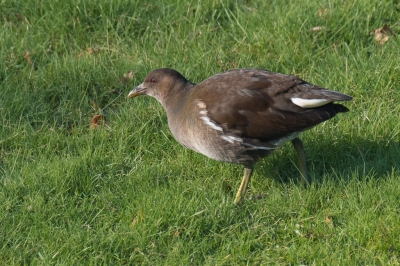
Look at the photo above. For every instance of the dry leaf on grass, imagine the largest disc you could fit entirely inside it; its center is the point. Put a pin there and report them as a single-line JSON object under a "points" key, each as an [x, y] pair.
{"points": [[97, 121], [127, 76], [19, 17], [329, 221], [176, 233], [382, 34], [28, 58]]}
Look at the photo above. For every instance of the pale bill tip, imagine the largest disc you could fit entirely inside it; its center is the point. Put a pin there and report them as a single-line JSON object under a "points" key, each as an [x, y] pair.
{"points": [[133, 93]]}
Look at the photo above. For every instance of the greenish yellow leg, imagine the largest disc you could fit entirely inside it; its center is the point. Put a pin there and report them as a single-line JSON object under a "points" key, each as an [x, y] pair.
{"points": [[243, 186], [298, 146]]}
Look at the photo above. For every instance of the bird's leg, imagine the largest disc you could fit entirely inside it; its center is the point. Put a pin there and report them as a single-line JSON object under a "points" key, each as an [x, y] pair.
{"points": [[298, 146], [243, 186]]}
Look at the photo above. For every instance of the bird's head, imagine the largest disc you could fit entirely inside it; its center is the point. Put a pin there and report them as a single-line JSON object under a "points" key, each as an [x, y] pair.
{"points": [[159, 84]]}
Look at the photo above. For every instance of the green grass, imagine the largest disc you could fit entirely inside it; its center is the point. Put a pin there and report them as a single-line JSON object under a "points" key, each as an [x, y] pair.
{"points": [[128, 193]]}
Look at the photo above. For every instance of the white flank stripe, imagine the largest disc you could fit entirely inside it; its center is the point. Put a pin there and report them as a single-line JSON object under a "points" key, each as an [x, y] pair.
{"points": [[310, 103], [231, 139], [210, 123], [258, 147]]}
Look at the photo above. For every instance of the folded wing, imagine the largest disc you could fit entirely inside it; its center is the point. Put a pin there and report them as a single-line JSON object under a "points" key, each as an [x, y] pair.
{"points": [[266, 106]]}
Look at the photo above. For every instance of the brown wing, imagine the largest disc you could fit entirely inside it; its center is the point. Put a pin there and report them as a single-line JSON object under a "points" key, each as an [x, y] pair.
{"points": [[257, 103]]}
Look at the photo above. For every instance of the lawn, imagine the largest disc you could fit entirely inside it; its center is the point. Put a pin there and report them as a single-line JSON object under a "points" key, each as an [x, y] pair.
{"points": [[124, 192]]}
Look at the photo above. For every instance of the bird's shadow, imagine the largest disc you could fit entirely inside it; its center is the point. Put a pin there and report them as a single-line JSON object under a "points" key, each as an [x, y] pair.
{"points": [[342, 160]]}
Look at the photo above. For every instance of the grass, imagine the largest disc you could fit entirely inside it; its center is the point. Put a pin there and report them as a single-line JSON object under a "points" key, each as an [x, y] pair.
{"points": [[128, 193]]}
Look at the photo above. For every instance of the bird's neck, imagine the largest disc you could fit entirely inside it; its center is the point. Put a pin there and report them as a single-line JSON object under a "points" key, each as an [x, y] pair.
{"points": [[175, 98]]}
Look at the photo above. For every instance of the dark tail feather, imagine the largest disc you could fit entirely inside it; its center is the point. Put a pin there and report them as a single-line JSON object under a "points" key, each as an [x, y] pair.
{"points": [[341, 108], [335, 95]]}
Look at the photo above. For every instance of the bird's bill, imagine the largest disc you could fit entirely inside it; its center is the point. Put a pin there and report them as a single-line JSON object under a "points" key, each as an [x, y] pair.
{"points": [[139, 90]]}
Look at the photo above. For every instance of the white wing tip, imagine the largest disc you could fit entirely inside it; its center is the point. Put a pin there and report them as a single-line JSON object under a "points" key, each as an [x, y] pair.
{"points": [[310, 103]]}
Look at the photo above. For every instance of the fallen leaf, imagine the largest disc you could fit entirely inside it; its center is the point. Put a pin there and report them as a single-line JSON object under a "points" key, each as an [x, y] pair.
{"points": [[381, 38], [19, 17], [309, 234], [385, 29], [97, 121], [176, 233], [382, 34], [28, 58], [127, 76], [81, 54], [328, 220]]}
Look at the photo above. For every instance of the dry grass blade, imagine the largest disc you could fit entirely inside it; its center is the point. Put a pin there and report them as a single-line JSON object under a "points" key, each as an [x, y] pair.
{"points": [[323, 12], [319, 28], [95, 106]]}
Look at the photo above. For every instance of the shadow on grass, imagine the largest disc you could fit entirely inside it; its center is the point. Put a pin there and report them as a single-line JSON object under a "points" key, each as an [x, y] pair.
{"points": [[338, 161], [361, 158]]}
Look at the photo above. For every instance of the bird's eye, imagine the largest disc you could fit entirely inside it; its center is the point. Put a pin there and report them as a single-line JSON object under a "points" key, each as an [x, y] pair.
{"points": [[153, 80]]}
